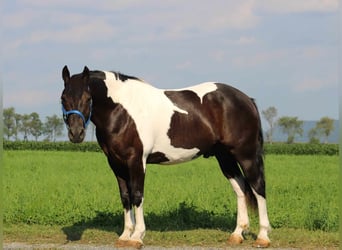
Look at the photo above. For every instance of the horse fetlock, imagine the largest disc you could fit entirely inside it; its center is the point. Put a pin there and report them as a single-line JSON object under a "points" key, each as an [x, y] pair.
{"points": [[138, 234], [244, 226], [127, 233]]}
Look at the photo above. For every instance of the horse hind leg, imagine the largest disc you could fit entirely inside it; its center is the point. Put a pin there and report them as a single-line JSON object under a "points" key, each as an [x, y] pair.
{"points": [[253, 170], [233, 173]]}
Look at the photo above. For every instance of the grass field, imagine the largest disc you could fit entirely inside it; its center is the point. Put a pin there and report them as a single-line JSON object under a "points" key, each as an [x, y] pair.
{"points": [[58, 196]]}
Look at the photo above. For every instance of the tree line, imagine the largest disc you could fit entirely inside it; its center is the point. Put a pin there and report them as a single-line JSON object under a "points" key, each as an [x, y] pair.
{"points": [[30, 125], [292, 126]]}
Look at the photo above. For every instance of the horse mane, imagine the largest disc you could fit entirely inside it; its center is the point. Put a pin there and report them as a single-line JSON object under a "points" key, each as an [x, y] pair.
{"points": [[118, 76], [123, 77]]}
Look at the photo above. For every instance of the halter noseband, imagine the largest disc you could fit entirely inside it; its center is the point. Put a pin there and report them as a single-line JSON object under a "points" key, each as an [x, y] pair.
{"points": [[76, 112]]}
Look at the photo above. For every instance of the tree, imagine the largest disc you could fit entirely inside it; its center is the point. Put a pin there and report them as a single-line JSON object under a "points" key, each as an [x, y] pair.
{"points": [[269, 115], [25, 126], [36, 126], [313, 134], [325, 126], [17, 118], [9, 122], [291, 126], [53, 127]]}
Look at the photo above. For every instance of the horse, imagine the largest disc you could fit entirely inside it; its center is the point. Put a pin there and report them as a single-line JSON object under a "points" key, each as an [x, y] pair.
{"points": [[137, 124]]}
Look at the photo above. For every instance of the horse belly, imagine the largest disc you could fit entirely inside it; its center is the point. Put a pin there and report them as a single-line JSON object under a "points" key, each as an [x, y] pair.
{"points": [[171, 155]]}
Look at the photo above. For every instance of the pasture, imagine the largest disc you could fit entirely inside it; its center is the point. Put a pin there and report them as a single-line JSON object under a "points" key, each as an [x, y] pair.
{"points": [[58, 196]]}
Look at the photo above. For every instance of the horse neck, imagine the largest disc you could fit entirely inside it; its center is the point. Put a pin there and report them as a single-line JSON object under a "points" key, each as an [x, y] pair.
{"points": [[109, 91]]}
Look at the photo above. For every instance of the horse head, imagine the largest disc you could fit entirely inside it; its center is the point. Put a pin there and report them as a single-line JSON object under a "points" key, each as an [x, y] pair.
{"points": [[76, 103]]}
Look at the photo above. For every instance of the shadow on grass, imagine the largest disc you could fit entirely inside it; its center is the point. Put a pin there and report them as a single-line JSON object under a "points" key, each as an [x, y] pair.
{"points": [[184, 217]]}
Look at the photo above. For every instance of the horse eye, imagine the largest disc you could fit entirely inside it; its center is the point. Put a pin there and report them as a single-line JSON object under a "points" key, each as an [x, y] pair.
{"points": [[63, 98]]}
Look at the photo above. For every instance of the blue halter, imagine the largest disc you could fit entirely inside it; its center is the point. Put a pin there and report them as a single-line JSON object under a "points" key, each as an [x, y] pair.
{"points": [[76, 112]]}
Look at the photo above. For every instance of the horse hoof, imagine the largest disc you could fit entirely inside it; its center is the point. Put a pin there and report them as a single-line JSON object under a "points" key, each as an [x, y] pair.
{"points": [[261, 243], [136, 244], [121, 243], [235, 239], [129, 243]]}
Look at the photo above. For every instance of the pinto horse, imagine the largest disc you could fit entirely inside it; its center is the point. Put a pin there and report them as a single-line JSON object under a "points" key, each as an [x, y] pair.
{"points": [[137, 124]]}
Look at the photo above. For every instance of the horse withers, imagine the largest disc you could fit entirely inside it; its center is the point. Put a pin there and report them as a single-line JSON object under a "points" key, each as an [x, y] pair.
{"points": [[137, 124]]}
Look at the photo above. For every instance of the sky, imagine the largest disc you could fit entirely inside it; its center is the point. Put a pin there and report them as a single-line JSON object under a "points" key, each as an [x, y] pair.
{"points": [[283, 53]]}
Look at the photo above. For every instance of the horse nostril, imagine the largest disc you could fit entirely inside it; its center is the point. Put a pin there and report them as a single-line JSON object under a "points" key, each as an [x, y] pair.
{"points": [[76, 135]]}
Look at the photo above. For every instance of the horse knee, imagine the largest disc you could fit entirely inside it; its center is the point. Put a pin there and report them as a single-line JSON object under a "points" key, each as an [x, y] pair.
{"points": [[137, 197], [125, 199]]}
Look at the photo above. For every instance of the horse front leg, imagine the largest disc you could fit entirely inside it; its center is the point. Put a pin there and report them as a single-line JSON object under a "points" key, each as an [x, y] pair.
{"points": [[132, 193], [137, 179], [129, 222], [122, 177]]}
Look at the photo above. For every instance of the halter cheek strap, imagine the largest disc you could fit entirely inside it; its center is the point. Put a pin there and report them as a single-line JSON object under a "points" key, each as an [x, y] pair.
{"points": [[76, 112]]}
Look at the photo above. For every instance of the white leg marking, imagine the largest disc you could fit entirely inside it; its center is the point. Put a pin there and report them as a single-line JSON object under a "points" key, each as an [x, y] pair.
{"points": [[242, 212], [139, 231], [263, 217], [129, 225]]}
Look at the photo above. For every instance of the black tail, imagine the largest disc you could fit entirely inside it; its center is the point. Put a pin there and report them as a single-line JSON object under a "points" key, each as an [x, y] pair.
{"points": [[259, 163]]}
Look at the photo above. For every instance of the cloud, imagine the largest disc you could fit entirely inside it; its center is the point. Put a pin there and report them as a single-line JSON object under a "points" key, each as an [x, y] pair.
{"points": [[315, 84], [104, 5], [184, 65], [91, 31], [246, 40], [63, 20], [258, 58], [28, 98], [296, 6], [217, 17]]}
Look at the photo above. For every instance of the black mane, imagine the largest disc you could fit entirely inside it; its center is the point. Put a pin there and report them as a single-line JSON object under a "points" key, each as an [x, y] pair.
{"points": [[123, 77], [118, 76]]}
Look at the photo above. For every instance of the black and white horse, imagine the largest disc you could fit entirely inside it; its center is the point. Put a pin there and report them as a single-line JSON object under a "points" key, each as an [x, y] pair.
{"points": [[137, 124]]}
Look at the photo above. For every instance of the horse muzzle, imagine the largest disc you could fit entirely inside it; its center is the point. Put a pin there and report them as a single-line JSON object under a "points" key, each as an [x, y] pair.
{"points": [[76, 134]]}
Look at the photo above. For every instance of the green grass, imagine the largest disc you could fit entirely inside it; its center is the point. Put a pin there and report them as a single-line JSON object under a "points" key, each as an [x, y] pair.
{"points": [[75, 196]]}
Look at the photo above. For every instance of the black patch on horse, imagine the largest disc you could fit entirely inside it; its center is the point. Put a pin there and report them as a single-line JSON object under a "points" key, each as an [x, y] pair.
{"points": [[157, 157], [194, 129]]}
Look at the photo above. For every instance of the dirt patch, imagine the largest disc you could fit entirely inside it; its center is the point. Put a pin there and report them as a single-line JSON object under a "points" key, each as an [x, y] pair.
{"points": [[24, 246]]}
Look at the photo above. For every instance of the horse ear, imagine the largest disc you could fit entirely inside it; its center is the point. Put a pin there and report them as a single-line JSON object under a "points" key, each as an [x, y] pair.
{"points": [[85, 73], [66, 74]]}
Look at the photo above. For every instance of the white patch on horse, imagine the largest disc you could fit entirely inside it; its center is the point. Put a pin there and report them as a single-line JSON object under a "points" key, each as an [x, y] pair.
{"points": [[151, 111], [201, 89]]}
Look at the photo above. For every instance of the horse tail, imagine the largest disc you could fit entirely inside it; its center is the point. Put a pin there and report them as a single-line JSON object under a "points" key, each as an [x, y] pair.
{"points": [[259, 164], [250, 197]]}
